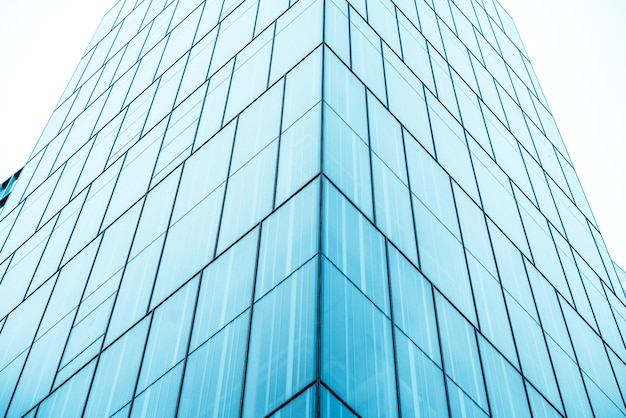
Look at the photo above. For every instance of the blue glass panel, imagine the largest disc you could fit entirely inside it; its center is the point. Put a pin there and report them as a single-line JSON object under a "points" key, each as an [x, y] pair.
{"points": [[249, 196], [21, 325], [336, 32], [345, 94], [212, 383], [159, 400], [491, 309], [365, 378], [382, 16], [442, 259], [9, 376], [366, 56], [189, 246], [550, 314], [269, 11], [69, 287], [289, 238], [69, 399], [257, 127], [331, 407], [169, 335], [533, 353], [226, 289], [133, 179], [301, 407], [602, 405], [507, 396], [303, 88], [214, 103], [406, 98], [281, 358], [134, 293], [474, 229], [114, 249], [235, 31], [591, 354], [413, 307], [452, 149], [420, 381], [299, 154], [250, 74], [155, 214], [460, 353], [298, 32], [393, 208], [386, 137], [347, 161], [415, 51], [431, 185], [511, 270], [180, 135], [570, 381], [355, 247], [539, 405], [39, 370], [198, 181], [117, 371], [14, 286]]}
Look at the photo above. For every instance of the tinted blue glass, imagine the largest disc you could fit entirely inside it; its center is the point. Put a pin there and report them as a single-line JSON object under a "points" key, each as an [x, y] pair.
{"points": [[299, 154], [298, 32], [289, 238], [159, 399], [301, 407], [505, 386], [393, 208], [366, 56], [413, 307], [169, 335], [192, 160], [116, 374], [38, 372], [460, 352], [345, 94], [249, 195], [347, 161], [189, 245], [364, 263], [330, 406], [212, 382], [533, 353], [420, 381], [222, 300], [69, 399], [442, 259], [281, 358], [365, 378]]}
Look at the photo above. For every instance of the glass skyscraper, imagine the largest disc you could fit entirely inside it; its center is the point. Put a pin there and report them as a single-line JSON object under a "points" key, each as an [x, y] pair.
{"points": [[306, 208]]}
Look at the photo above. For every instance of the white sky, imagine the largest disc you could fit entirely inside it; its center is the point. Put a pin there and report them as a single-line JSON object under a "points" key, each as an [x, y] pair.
{"points": [[577, 47]]}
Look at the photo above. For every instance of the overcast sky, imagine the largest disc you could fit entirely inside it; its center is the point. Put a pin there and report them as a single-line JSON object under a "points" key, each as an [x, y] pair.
{"points": [[578, 49]]}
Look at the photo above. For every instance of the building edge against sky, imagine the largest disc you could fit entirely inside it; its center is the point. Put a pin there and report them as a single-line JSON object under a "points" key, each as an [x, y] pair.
{"points": [[306, 208]]}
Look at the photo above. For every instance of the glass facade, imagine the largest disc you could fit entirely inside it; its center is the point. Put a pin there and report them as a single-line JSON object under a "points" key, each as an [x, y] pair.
{"points": [[306, 208]]}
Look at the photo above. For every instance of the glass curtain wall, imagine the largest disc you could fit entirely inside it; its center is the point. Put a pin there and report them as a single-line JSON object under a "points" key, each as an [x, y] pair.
{"points": [[306, 208]]}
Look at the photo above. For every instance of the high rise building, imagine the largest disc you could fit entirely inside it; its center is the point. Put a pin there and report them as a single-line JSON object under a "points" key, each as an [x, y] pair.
{"points": [[311, 208]]}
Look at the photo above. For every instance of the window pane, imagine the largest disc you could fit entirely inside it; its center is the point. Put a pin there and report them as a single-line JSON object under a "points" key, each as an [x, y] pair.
{"points": [[212, 384], [282, 357], [364, 377]]}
